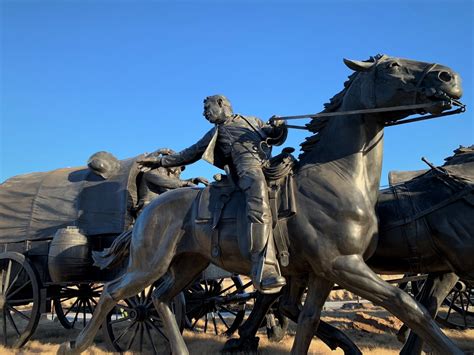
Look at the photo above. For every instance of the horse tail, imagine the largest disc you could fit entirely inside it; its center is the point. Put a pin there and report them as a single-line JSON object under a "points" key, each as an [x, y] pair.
{"points": [[111, 257]]}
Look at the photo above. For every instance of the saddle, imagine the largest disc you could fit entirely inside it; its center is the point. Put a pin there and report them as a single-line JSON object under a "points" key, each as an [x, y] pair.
{"points": [[224, 201]]}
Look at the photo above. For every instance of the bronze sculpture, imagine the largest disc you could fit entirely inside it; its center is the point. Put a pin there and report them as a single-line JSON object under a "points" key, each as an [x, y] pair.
{"points": [[335, 227], [425, 226], [235, 144]]}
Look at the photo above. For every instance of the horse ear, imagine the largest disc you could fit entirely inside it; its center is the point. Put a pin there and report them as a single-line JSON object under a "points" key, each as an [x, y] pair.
{"points": [[357, 65]]}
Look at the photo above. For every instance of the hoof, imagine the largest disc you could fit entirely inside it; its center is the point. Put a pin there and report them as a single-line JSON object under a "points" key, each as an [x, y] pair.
{"points": [[67, 349], [241, 345]]}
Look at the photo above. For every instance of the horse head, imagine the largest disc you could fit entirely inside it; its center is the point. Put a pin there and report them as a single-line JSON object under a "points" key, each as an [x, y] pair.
{"points": [[390, 82]]}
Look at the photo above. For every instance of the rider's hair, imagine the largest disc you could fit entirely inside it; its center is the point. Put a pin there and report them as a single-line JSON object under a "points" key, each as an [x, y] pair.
{"points": [[224, 100]]}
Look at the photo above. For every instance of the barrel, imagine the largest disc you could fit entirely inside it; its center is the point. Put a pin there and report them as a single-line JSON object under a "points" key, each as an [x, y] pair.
{"points": [[69, 257]]}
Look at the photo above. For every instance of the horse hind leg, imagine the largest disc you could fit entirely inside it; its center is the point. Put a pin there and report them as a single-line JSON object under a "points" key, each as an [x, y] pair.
{"points": [[125, 286], [189, 267], [352, 273], [434, 291]]}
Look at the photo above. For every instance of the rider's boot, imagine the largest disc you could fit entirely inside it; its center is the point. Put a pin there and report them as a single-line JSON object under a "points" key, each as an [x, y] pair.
{"points": [[266, 275]]}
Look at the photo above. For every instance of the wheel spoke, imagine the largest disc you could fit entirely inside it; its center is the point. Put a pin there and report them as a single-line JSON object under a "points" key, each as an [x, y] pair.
{"points": [[125, 331], [10, 318], [77, 314], [19, 313], [214, 322], [89, 305], [66, 298], [453, 301], [157, 329], [228, 310], [19, 289], [97, 288], [132, 339], [69, 309], [223, 320], [150, 337], [1, 281], [14, 280], [7, 277], [194, 324], [140, 338], [84, 306], [227, 289]]}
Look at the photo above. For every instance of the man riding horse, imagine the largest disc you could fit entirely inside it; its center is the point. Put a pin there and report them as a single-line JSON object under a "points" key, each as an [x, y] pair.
{"points": [[240, 145]]}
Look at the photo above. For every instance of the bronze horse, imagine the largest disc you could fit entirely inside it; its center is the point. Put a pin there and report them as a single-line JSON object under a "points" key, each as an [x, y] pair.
{"points": [[335, 228], [425, 226]]}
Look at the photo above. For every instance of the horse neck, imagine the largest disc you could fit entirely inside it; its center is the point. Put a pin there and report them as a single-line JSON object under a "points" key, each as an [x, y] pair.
{"points": [[350, 150]]}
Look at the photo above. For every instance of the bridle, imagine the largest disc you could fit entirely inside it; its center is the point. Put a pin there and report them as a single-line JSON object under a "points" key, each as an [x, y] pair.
{"points": [[448, 103]]}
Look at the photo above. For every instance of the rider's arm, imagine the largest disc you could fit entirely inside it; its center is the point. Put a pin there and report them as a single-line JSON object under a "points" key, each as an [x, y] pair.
{"points": [[188, 155], [167, 182]]}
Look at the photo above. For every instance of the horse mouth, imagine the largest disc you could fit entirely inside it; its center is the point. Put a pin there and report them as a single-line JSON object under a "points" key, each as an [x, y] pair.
{"points": [[440, 100]]}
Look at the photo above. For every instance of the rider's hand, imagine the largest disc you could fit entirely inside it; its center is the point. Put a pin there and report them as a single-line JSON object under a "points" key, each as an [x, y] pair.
{"points": [[275, 121], [201, 180]]}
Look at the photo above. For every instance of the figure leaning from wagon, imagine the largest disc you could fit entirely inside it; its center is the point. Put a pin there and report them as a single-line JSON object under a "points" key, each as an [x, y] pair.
{"points": [[150, 183], [240, 145]]}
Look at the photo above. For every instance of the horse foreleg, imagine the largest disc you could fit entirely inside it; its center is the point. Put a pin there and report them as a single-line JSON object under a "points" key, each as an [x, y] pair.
{"points": [[247, 341], [290, 306], [352, 273], [434, 291], [308, 320]]}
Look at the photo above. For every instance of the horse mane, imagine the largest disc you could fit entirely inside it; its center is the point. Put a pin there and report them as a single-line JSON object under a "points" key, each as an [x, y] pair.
{"points": [[316, 125], [462, 155]]}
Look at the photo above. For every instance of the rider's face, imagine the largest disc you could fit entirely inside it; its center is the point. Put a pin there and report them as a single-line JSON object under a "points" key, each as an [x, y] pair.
{"points": [[213, 112]]}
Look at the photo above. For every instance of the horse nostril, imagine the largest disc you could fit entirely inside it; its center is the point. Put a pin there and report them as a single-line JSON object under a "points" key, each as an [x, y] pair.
{"points": [[445, 76]]}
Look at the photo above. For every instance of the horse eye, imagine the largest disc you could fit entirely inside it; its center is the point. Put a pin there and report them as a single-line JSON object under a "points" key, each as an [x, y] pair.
{"points": [[393, 65]]}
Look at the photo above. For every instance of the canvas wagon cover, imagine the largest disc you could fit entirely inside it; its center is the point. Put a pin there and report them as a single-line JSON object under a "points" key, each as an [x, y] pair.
{"points": [[34, 206]]}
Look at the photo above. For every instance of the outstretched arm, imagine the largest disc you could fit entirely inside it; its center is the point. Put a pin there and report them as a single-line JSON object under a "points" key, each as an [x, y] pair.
{"points": [[184, 157]]}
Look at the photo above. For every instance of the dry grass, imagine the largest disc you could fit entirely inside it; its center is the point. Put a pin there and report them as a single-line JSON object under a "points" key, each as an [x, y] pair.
{"points": [[371, 328]]}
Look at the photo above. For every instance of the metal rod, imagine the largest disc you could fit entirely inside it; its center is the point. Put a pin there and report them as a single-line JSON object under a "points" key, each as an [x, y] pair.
{"points": [[395, 123], [355, 112]]}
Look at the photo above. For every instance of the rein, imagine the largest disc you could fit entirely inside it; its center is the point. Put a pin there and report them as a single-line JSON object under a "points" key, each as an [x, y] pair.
{"points": [[452, 102]]}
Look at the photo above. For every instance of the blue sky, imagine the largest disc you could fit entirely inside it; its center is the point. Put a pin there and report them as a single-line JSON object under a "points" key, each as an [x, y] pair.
{"points": [[129, 76]]}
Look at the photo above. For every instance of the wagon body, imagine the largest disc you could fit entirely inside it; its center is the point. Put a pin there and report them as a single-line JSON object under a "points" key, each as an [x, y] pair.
{"points": [[33, 207]]}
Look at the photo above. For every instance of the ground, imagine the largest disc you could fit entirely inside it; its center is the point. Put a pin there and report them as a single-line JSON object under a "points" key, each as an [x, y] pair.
{"points": [[370, 327]]}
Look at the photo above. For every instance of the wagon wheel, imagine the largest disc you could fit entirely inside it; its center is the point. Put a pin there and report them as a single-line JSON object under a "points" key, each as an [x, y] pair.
{"points": [[74, 305], [460, 303], [134, 325], [216, 305], [19, 299]]}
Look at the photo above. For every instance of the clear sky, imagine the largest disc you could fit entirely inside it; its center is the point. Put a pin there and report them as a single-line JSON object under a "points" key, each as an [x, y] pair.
{"points": [[129, 76]]}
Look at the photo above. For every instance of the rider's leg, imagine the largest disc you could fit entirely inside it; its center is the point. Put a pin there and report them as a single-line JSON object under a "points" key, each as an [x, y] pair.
{"points": [[266, 274]]}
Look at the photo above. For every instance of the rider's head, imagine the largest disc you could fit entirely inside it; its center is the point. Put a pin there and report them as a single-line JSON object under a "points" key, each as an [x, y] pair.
{"points": [[217, 108], [103, 164]]}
